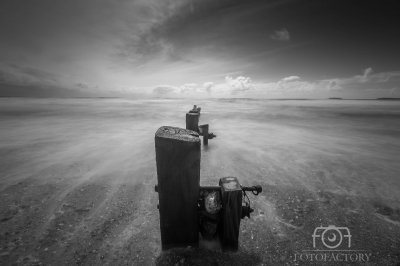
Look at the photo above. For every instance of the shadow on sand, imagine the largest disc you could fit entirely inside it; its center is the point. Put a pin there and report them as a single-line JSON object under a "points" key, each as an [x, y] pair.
{"points": [[204, 256]]}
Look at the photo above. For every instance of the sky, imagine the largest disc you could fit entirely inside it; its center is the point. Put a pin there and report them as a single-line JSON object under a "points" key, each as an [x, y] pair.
{"points": [[200, 48]]}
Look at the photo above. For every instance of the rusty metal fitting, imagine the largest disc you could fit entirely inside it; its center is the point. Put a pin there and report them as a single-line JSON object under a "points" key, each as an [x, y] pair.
{"points": [[195, 110], [211, 136]]}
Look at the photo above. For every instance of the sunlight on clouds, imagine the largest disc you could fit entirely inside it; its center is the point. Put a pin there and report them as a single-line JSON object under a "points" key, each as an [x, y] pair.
{"points": [[208, 86], [166, 89], [199, 48], [188, 88], [291, 78], [369, 77], [291, 84], [239, 84], [294, 84], [231, 86]]}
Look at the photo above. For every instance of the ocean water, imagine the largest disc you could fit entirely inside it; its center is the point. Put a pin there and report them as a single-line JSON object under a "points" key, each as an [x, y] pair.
{"points": [[349, 147], [77, 176]]}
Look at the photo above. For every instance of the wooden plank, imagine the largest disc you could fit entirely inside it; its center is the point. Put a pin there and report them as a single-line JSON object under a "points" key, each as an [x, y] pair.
{"points": [[178, 174], [231, 194]]}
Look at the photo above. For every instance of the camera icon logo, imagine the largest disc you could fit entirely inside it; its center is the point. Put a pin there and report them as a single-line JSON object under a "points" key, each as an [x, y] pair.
{"points": [[331, 236]]}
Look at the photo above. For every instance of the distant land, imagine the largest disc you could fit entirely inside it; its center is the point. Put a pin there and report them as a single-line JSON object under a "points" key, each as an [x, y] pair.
{"points": [[388, 99], [85, 97], [167, 98]]}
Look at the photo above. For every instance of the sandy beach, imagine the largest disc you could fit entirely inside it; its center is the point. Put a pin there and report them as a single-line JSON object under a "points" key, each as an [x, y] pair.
{"points": [[77, 179]]}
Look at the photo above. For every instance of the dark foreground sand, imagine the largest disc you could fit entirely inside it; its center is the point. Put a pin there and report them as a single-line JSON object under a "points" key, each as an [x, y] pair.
{"points": [[77, 180]]}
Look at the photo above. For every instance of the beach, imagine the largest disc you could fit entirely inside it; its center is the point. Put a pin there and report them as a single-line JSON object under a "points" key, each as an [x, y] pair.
{"points": [[78, 175]]}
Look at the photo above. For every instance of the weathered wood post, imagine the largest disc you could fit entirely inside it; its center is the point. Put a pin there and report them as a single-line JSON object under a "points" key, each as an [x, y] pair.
{"points": [[192, 121], [231, 194], [204, 133], [178, 174]]}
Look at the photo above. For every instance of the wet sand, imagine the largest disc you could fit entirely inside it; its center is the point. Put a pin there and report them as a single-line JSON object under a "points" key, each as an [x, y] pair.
{"points": [[77, 178]]}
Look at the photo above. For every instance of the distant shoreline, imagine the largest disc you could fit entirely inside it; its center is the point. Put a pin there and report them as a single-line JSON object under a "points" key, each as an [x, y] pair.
{"points": [[388, 99], [159, 98], [59, 97]]}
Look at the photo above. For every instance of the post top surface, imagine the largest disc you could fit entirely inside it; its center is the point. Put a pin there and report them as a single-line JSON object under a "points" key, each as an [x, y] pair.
{"points": [[230, 183], [177, 133]]}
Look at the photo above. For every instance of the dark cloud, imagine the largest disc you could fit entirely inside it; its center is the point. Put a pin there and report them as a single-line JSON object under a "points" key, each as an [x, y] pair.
{"points": [[41, 75], [190, 29], [170, 41], [82, 85], [394, 91], [11, 79], [281, 35], [2, 77]]}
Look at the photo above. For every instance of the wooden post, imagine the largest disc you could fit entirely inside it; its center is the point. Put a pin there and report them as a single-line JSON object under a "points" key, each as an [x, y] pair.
{"points": [[205, 134], [192, 121], [231, 193], [178, 174]]}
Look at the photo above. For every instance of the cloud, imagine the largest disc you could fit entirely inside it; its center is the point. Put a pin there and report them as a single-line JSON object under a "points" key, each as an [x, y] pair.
{"points": [[238, 84], [289, 84], [95, 88], [188, 88], [16, 79], [335, 85], [4, 77], [191, 85], [208, 86], [365, 77], [393, 76], [166, 89], [294, 84], [82, 85], [144, 38], [367, 72], [369, 77], [291, 78], [394, 91], [359, 82], [35, 75], [231, 86], [281, 35]]}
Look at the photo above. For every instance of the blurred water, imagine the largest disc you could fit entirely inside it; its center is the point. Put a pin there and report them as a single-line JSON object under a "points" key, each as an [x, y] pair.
{"points": [[346, 147]]}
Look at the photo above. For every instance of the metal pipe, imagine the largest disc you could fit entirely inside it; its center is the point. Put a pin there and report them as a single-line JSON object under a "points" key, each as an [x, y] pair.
{"points": [[210, 188]]}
